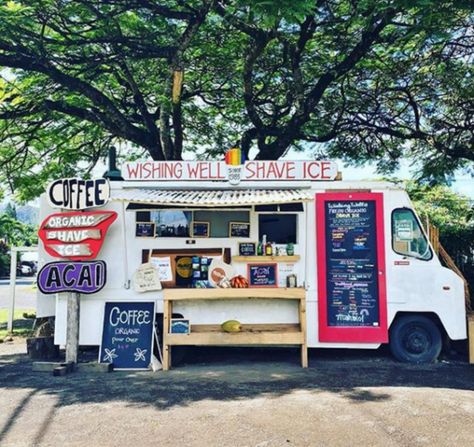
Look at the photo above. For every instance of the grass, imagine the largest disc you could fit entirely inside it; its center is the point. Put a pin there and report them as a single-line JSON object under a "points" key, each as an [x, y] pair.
{"points": [[21, 325]]}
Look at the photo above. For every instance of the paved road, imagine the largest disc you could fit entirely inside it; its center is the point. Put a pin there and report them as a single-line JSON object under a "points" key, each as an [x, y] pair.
{"points": [[258, 398], [23, 281], [25, 296]]}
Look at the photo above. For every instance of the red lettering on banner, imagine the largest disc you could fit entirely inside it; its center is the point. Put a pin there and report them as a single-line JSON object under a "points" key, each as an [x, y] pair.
{"points": [[192, 170], [220, 175], [133, 171], [177, 170], [249, 172], [325, 166], [290, 170], [312, 169]]}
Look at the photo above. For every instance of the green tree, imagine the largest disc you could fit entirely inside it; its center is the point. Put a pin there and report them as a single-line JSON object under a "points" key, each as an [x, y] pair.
{"points": [[453, 215], [366, 80]]}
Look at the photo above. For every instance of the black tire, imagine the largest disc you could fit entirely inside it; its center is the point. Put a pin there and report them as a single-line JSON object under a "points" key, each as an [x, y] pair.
{"points": [[415, 339]]}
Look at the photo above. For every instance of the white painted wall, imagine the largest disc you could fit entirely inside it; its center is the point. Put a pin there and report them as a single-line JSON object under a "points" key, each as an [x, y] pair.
{"points": [[418, 287]]}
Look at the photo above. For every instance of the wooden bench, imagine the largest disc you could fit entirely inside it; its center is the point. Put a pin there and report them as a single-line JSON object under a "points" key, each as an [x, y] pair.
{"points": [[250, 334]]}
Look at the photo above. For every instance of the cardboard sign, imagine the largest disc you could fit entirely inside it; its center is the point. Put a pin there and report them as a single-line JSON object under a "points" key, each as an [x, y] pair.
{"points": [[262, 275], [146, 278], [75, 236], [127, 334], [81, 277], [78, 194], [254, 170]]}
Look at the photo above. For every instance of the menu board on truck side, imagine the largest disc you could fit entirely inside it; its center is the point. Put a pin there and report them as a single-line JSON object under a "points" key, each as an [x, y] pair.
{"points": [[351, 267]]}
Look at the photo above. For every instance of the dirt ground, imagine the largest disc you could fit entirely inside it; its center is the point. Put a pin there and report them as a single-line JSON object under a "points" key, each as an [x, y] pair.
{"points": [[241, 397]]}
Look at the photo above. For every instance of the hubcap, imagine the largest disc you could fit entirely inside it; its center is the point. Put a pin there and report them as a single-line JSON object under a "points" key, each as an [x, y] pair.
{"points": [[416, 340]]}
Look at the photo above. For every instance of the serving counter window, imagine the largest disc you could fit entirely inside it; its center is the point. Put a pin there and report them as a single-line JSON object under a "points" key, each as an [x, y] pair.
{"points": [[196, 223], [278, 228]]}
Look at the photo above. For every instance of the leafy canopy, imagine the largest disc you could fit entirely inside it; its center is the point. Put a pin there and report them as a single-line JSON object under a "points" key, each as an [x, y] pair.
{"points": [[370, 80]]}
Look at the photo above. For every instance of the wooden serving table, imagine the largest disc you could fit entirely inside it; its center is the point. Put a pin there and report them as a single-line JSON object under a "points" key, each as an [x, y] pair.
{"points": [[250, 334]]}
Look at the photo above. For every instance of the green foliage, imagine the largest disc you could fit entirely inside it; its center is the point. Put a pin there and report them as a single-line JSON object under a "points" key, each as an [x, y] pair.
{"points": [[15, 233], [368, 80], [453, 215]]}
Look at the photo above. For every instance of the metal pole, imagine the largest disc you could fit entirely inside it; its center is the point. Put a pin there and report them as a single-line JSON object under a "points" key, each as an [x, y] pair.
{"points": [[13, 254], [72, 328]]}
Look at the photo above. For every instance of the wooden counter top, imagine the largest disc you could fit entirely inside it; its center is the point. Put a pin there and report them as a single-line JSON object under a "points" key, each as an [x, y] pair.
{"points": [[295, 293]]}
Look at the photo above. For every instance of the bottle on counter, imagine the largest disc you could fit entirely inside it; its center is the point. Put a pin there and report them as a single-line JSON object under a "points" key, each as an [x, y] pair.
{"points": [[268, 249], [291, 280], [261, 249], [290, 249]]}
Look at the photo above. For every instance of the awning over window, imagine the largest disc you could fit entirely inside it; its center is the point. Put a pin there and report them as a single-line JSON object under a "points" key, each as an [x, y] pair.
{"points": [[212, 198]]}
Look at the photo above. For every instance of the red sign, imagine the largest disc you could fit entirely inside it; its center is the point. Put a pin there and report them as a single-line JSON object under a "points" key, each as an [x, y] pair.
{"points": [[75, 236]]}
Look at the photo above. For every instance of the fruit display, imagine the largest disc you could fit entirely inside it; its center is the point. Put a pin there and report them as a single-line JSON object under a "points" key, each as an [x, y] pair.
{"points": [[231, 326], [239, 282]]}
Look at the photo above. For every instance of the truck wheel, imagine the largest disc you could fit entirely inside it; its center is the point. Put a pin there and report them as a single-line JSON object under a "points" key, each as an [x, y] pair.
{"points": [[415, 339]]}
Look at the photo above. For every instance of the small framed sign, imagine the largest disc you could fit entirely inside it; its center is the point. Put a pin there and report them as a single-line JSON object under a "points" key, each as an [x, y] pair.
{"points": [[247, 248], [239, 229], [201, 229], [179, 326], [262, 275], [145, 229]]}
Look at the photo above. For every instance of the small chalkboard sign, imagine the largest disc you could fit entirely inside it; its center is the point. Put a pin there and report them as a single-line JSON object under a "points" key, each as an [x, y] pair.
{"points": [[201, 229], [262, 275], [145, 229], [239, 229], [247, 248], [127, 334]]}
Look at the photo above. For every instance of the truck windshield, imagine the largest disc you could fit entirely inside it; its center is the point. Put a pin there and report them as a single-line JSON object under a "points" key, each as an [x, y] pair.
{"points": [[408, 238]]}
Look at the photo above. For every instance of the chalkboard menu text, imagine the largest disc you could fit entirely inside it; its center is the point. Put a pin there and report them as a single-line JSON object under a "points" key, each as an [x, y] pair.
{"points": [[247, 248], [350, 266], [145, 229], [239, 229], [127, 334], [201, 229], [263, 275]]}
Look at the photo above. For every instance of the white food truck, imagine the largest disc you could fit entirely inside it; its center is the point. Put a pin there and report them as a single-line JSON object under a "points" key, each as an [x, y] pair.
{"points": [[355, 251]]}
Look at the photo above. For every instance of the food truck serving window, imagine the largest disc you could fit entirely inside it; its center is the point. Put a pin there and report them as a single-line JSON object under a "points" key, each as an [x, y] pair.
{"points": [[196, 223], [279, 228], [408, 238]]}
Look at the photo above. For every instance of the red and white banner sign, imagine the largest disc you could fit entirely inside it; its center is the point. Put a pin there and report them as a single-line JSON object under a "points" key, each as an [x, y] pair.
{"points": [[76, 236], [255, 170]]}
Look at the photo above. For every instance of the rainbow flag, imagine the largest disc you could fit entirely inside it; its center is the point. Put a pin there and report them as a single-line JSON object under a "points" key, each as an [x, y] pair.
{"points": [[234, 157]]}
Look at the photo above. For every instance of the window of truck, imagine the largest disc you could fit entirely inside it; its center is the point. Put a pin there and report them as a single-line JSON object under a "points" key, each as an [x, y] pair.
{"points": [[180, 223], [279, 228], [408, 238]]}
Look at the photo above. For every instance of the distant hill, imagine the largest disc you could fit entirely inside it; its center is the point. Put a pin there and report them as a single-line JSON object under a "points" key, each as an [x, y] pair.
{"points": [[26, 214]]}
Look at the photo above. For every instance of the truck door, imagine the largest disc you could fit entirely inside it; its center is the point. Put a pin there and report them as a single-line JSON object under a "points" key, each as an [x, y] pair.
{"points": [[352, 303]]}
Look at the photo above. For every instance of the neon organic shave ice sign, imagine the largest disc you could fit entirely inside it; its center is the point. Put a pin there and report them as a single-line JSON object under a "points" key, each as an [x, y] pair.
{"points": [[250, 170]]}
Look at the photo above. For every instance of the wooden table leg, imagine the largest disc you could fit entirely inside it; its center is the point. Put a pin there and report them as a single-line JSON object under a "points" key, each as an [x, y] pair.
{"points": [[304, 346], [166, 329]]}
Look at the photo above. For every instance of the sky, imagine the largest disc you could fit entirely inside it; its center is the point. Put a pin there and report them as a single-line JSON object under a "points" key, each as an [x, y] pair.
{"points": [[463, 184]]}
